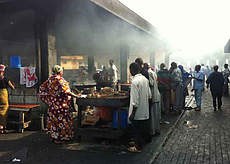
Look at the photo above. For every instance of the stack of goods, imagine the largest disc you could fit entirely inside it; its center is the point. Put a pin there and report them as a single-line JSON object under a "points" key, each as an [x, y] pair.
{"points": [[90, 117]]}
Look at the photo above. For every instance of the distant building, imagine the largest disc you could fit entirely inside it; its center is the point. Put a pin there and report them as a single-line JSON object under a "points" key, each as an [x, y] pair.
{"points": [[227, 47]]}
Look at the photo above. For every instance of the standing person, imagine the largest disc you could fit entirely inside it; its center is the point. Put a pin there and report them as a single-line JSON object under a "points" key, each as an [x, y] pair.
{"points": [[164, 79], [207, 72], [140, 63], [177, 86], [198, 84], [186, 79], [139, 107], [203, 70], [113, 73], [191, 73], [226, 74], [154, 109], [216, 82], [57, 94], [4, 104]]}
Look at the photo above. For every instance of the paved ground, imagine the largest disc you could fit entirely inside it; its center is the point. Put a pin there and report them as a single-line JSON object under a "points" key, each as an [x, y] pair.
{"points": [[201, 137], [34, 147]]}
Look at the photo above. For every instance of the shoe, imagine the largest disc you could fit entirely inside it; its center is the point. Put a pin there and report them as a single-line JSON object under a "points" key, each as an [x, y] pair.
{"points": [[133, 149], [197, 109], [219, 108]]}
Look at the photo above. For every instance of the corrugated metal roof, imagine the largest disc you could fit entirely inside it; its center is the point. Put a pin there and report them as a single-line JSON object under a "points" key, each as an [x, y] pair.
{"points": [[113, 6], [120, 10]]}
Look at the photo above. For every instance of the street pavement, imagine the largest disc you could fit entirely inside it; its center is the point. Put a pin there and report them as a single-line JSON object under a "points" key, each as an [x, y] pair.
{"points": [[34, 147], [201, 136]]}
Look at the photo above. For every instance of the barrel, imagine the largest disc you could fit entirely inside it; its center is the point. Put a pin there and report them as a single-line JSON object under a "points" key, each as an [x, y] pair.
{"points": [[15, 62]]}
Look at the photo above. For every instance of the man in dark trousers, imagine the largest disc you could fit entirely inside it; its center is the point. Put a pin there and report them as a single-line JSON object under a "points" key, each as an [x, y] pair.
{"points": [[216, 82], [139, 107]]}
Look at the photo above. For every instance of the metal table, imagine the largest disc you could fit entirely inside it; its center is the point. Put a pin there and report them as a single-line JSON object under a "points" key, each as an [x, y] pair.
{"points": [[22, 109]]}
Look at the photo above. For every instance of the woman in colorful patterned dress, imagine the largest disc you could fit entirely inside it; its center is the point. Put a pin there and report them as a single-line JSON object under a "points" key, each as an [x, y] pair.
{"points": [[57, 94]]}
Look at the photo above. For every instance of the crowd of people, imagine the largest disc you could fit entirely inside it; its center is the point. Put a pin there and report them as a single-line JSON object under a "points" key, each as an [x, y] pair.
{"points": [[165, 91], [152, 94]]}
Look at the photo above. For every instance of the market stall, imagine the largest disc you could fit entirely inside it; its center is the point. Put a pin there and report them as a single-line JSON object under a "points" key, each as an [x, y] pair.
{"points": [[102, 115]]}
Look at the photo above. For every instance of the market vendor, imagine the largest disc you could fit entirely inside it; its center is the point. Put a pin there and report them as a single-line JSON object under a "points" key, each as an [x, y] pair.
{"points": [[57, 94], [139, 108], [113, 73], [4, 104]]}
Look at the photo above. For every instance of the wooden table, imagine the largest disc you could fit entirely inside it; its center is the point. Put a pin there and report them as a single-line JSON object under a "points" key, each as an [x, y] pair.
{"points": [[22, 109], [111, 102]]}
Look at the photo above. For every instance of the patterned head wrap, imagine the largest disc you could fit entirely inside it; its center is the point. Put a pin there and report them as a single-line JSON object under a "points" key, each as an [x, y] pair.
{"points": [[2, 67], [57, 69]]}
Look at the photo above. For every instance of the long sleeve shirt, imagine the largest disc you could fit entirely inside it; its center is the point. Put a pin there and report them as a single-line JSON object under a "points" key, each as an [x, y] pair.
{"points": [[198, 84], [139, 97], [216, 81]]}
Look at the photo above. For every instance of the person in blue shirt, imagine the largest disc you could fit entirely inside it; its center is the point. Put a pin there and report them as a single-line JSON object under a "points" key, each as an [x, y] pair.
{"points": [[186, 79], [198, 85]]}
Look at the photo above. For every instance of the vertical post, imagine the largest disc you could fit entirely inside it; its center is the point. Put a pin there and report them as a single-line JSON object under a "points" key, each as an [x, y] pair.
{"points": [[21, 122], [90, 66], [46, 45], [124, 53]]}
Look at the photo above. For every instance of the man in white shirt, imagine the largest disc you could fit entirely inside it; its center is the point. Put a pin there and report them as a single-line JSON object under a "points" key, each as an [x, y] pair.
{"points": [[114, 71], [139, 106]]}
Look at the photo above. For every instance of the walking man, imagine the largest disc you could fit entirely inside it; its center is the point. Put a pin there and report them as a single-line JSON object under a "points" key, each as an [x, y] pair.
{"points": [[177, 86], [216, 82], [198, 85]]}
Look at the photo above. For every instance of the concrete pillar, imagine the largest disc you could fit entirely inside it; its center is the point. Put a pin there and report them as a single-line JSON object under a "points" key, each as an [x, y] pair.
{"points": [[91, 66], [45, 45], [124, 53]]}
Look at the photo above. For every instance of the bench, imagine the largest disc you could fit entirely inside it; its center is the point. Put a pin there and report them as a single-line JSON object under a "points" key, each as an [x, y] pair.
{"points": [[22, 109]]}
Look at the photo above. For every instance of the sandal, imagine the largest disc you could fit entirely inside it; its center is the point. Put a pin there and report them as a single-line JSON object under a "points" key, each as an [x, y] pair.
{"points": [[133, 149], [197, 109]]}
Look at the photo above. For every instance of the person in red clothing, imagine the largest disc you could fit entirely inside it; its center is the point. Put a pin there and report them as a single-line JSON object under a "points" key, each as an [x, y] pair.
{"points": [[164, 79], [57, 94]]}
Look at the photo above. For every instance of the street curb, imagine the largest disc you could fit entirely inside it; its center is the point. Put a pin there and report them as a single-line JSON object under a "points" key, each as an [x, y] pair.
{"points": [[159, 149]]}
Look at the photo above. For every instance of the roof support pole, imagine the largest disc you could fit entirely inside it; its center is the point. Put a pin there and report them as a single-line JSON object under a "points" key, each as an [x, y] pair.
{"points": [[124, 53], [46, 45]]}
